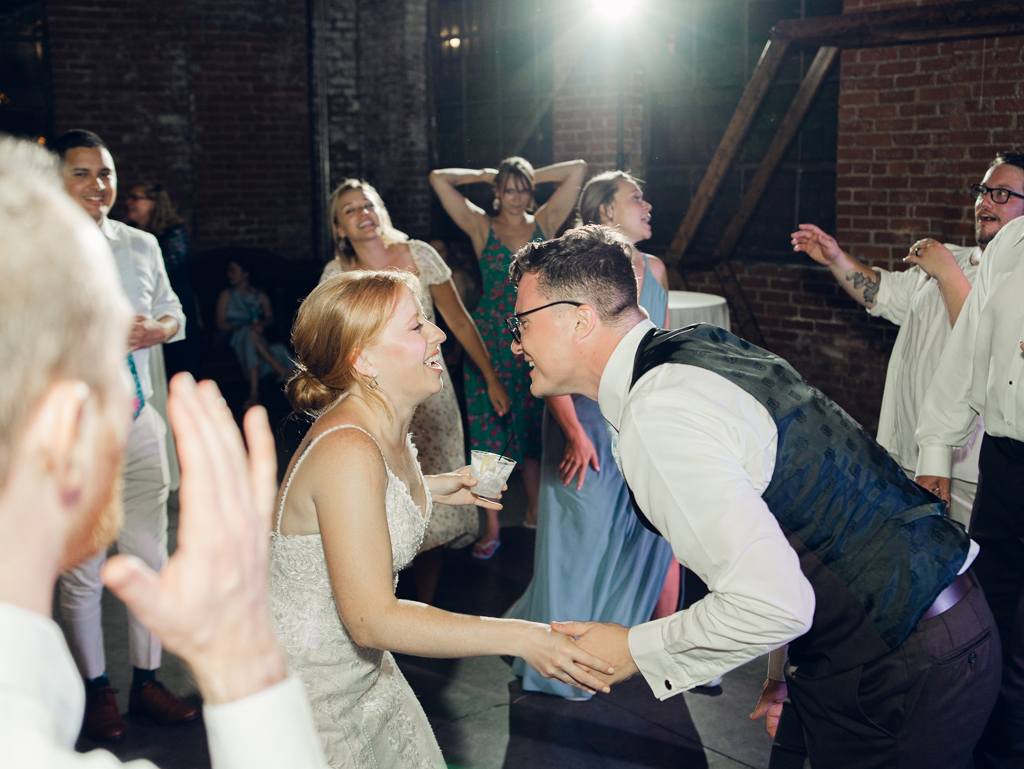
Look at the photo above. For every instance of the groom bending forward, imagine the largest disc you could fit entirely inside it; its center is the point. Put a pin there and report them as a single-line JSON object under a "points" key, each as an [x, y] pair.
{"points": [[803, 528]]}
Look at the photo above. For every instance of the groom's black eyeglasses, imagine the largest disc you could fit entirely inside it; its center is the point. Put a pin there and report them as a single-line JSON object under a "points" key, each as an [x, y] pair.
{"points": [[512, 321]]}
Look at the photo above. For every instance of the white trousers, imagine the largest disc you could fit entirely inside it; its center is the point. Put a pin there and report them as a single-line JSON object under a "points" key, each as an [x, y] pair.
{"points": [[961, 496], [144, 534]]}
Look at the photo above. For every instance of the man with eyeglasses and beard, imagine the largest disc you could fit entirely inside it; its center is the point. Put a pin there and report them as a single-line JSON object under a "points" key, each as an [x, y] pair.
{"points": [[805, 530], [924, 301]]}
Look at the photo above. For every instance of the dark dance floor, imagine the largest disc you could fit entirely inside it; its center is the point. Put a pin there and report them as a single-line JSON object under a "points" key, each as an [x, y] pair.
{"points": [[480, 714]]}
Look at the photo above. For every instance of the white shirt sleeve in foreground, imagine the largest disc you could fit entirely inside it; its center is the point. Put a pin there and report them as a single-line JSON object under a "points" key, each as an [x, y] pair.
{"points": [[268, 730], [271, 728], [698, 452]]}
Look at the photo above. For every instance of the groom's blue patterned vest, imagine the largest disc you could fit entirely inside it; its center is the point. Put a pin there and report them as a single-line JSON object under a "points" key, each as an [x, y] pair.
{"points": [[874, 545]]}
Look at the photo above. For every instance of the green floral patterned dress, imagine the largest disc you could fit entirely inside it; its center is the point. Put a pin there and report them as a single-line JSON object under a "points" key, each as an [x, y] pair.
{"points": [[486, 429]]}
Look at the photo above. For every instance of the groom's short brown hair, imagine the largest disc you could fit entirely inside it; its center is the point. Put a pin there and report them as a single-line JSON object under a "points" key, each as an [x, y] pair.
{"points": [[592, 264]]}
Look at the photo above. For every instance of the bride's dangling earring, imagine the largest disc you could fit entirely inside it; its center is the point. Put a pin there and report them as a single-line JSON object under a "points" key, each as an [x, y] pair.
{"points": [[496, 204], [372, 384]]}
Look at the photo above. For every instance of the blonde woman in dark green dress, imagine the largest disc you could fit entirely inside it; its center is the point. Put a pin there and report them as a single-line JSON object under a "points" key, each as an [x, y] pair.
{"points": [[496, 236]]}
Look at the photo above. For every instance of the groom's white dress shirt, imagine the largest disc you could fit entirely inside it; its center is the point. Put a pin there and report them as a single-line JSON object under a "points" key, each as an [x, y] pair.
{"points": [[698, 452], [42, 701]]}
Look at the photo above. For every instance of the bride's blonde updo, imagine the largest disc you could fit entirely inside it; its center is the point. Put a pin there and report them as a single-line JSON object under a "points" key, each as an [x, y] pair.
{"points": [[341, 317]]}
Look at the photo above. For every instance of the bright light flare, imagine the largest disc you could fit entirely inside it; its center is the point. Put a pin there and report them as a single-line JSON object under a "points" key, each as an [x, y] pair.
{"points": [[616, 12]]}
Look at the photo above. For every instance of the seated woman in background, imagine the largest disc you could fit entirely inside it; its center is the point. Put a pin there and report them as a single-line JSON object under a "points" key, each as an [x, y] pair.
{"points": [[245, 311], [150, 209], [593, 559], [496, 236], [366, 240], [353, 513]]}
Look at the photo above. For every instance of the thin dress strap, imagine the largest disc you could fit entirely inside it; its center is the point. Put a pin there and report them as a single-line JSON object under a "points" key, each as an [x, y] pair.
{"points": [[291, 475]]}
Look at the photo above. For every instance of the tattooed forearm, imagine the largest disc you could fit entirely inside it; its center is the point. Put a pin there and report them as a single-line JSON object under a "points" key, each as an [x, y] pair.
{"points": [[868, 284]]}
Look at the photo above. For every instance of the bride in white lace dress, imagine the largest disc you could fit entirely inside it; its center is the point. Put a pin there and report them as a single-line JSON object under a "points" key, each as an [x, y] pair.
{"points": [[352, 514]]}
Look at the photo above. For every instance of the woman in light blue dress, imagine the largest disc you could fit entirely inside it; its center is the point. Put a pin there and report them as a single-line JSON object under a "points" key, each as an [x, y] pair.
{"points": [[593, 558]]}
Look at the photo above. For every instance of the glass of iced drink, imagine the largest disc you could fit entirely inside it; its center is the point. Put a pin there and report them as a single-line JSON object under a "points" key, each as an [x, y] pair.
{"points": [[491, 471]]}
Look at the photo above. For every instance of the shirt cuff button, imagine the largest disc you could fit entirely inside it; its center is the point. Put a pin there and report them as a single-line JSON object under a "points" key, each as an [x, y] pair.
{"points": [[668, 684]]}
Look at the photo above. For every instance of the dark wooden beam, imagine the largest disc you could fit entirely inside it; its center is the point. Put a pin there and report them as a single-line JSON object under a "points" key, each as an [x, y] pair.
{"points": [[738, 305], [760, 81], [907, 26], [901, 26], [787, 130]]}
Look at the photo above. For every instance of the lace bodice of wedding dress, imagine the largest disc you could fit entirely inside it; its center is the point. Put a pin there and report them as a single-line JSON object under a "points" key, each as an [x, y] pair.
{"points": [[365, 711]]}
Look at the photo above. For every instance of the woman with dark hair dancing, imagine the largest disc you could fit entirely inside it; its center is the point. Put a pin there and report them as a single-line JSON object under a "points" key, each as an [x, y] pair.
{"points": [[496, 236]]}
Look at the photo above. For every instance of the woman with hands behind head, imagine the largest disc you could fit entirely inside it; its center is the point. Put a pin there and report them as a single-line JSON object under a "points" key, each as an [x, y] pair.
{"points": [[496, 236], [352, 514]]}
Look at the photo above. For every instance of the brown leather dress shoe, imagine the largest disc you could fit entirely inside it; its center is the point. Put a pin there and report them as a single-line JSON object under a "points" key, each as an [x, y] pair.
{"points": [[102, 718], [155, 701]]}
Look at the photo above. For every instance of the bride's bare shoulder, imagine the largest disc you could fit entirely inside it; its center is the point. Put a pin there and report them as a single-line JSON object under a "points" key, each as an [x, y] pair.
{"points": [[346, 441]]}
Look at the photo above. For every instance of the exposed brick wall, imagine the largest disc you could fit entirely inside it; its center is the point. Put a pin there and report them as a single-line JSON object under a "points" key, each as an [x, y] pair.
{"points": [[585, 114], [341, 48], [378, 105], [393, 108], [252, 152], [120, 68], [208, 97], [917, 126]]}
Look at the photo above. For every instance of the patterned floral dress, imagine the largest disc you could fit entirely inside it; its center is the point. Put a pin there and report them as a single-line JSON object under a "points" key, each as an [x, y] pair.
{"points": [[437, 425], [523, 422]]}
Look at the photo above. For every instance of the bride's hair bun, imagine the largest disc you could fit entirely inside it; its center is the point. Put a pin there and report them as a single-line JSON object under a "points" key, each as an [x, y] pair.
{"points": [[308, 394], [340, 318]]}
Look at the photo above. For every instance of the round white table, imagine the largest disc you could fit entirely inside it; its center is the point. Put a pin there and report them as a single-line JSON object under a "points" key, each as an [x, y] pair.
{"points": [[688, 307]]}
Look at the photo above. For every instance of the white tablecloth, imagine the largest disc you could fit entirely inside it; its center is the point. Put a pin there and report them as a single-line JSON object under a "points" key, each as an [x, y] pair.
{"points": [[688, 307]]}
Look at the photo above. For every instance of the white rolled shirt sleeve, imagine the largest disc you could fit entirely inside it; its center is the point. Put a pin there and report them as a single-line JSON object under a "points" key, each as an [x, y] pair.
{"points": [[698, 452], [895, 293]]}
